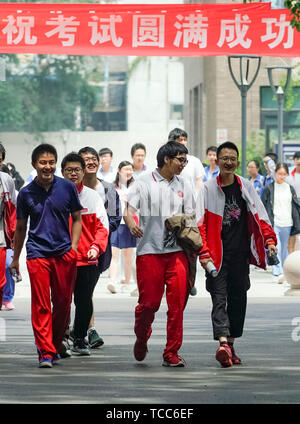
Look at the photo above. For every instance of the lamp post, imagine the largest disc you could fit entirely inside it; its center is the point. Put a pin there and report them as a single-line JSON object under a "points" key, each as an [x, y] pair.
{"points": [[280, 96], [244, 85]]}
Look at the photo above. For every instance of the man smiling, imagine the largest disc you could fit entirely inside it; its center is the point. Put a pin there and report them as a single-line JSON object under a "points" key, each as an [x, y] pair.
{"points": [[157, 196], [235, 231], [92, 243], [51, 253]]}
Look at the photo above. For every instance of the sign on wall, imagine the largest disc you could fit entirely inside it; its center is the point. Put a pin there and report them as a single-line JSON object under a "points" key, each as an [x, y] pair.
{"points": [[153, 30]]}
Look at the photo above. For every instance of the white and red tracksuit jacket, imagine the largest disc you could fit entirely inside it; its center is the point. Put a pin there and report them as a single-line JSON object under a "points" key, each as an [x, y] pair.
{"points": [[10, 211], [95, 226], [210, 209]]}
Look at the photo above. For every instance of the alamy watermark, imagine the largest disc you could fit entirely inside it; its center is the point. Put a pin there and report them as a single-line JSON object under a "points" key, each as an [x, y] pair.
{"points": [[296, 330], [2, 330]]}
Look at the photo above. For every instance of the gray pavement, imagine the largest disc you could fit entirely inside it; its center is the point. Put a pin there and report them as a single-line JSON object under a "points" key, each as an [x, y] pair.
{"points": [[111, 376]]}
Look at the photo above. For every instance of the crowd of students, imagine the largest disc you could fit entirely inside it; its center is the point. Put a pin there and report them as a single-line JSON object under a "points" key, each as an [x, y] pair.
{"points": [[77, 224]]}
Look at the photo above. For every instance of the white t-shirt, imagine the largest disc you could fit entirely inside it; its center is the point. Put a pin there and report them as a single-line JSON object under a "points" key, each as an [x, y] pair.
{"points": [[193, 170], [137, 174], [109, 176], [123, 194], [282, 205], [294, 180]]}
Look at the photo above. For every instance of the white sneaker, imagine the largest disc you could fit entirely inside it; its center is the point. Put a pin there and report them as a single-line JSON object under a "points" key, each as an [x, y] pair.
{"points": [[111, 288], [134, 292], [281, 279]]}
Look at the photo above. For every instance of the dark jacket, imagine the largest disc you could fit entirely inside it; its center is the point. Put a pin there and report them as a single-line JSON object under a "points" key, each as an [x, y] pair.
{"points": [[112, 205], [268, 201]]}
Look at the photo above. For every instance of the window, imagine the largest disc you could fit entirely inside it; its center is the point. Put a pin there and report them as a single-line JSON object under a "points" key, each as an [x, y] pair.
{"points": [[269, 116]]}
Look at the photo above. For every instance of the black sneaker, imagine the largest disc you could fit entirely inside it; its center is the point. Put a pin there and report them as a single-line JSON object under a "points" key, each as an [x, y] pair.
{"points": [[80, 348], [94, 339], [193, 291], [65, 349]]}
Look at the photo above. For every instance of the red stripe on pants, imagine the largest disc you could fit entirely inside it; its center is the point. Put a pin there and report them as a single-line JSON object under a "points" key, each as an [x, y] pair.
{"points": [[153, 273], [2, 273], [58, 275]]}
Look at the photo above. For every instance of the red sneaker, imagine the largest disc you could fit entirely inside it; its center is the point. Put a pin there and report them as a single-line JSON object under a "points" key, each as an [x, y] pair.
{"points": [[140, 350], [174, 361], [235, 359], [224, 355]]}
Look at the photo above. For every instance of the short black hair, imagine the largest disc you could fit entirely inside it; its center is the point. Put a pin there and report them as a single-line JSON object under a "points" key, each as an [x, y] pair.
{"points": [[255, 162], [137, 146], [211, 149], [282, 165], [273, 156], [170, 150], [105, 151], [227, 145], [41, 149], [4, 168], [177, 133], [90, 150], [2, 150], [72, 157], [296, 155]]}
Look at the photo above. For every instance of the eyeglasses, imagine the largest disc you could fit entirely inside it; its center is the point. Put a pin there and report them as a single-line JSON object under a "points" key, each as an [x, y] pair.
{"points": [[90, 158], [229, 159], [183, 161], [71, 170]]}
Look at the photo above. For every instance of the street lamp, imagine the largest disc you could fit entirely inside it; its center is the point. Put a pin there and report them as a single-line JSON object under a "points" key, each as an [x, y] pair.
{"points": [[244, 85], [280, 96]]}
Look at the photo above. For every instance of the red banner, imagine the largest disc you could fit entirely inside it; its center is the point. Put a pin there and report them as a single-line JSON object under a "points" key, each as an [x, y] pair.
{"points": [[147, 30]]}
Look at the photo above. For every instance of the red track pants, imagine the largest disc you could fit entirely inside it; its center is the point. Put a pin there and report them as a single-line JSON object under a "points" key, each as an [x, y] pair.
{"points": [[2, 273], [153, 272], [57, 274]]}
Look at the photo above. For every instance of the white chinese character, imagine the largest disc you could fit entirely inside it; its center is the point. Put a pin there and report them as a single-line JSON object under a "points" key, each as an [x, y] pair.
{"points": [[148, 30], [233, 32], [278, 35], [106, 31], [65, 27], [193, 31], [20, 26]]}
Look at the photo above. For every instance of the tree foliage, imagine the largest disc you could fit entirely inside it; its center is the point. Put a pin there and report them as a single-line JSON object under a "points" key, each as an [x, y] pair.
{"points": [[44, 92]]}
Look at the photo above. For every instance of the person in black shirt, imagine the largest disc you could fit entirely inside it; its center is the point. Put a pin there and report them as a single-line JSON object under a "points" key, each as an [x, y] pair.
{"points": [[235, 231]]}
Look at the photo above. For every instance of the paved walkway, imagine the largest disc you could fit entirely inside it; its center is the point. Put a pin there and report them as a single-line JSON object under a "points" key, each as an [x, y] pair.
{"points": [[111, 376]]}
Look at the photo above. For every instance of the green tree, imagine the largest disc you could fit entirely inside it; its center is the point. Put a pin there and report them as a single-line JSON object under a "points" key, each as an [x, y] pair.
{"points": [[256, 145], [44, 92]]}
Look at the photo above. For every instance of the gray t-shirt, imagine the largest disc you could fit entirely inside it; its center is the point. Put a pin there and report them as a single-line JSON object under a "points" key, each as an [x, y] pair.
{"points": [[157, 199]]}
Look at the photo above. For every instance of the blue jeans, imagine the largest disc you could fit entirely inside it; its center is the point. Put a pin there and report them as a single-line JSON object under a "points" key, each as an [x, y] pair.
{"points": [[9, 288], [282, 234]]}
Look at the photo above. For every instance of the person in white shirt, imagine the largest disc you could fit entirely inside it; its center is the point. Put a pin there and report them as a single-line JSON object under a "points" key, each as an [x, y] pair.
{"points": [[121, 238], [294, 180], [106, 171], [194, 170], [281, 203], [159, 195], [138, 154]]}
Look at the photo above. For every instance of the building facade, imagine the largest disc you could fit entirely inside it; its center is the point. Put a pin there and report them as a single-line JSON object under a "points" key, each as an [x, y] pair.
{"points": [[212, 111]]}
